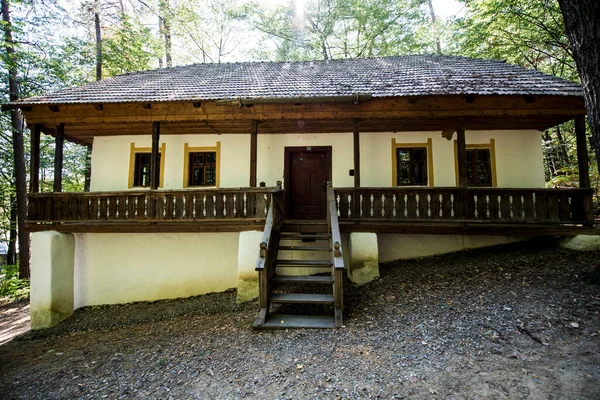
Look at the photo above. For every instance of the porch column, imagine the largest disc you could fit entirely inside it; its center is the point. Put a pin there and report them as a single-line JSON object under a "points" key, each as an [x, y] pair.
{"points": [[253, 152], [154, 161], [356, 140], [58, 157], [582, 153], [88, 168], [34, 162], [461, 153]]}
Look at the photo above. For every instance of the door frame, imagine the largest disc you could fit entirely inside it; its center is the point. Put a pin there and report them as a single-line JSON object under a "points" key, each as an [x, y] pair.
{"points": [[288, 150]]}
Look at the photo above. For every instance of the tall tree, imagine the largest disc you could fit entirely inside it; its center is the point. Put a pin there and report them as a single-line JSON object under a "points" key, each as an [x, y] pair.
{"points": [[18, 145], [582, 23]]}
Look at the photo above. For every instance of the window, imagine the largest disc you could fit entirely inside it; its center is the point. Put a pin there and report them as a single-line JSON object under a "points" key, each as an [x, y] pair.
{"points": [[141, 175], [139, 166], [412, 164], [481, 163], [479, 167], [203, 168]]}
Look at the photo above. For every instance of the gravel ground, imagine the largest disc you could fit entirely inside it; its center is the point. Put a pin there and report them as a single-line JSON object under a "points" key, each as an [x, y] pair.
{"points": [[520, 321]]}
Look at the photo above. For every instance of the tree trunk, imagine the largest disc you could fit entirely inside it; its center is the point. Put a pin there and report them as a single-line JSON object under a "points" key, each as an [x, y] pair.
{"points": [[11, 255], [18, 146], [582, 24], [166, 28], [435, 31], [98, 40]]}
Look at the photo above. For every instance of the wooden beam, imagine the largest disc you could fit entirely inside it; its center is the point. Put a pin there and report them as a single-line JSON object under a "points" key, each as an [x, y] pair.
{"points": [[154, 160], [462, 153], [253, 152], [356, 140], [34, 166], [582, 153], [58, 157], [392, 107]]}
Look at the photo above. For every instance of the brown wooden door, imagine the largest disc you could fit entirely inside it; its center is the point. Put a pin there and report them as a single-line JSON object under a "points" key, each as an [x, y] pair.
{"points": [[307, 171]]}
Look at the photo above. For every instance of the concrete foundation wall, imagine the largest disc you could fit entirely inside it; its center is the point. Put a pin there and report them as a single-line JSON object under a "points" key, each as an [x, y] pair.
{"points": [[51, 296], [396, 247]]}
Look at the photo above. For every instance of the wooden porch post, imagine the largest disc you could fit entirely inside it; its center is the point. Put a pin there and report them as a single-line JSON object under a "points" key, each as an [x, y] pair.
{"points": [[34, 166], [154, 160], [253, 152], [356, 140], [88, 168], [461, 153], [582, 153], [58, 156]]}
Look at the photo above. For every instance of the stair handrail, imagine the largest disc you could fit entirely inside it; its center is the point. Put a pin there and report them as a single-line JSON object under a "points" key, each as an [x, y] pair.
{"points": [[267, 252], [337, 256]]}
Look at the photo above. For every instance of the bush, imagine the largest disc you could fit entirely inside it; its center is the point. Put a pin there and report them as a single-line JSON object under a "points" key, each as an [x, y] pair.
{"points": [[11, 287]]}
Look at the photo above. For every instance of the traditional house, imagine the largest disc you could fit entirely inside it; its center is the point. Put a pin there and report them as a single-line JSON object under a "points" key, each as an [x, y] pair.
{"points": [[255, 175]]}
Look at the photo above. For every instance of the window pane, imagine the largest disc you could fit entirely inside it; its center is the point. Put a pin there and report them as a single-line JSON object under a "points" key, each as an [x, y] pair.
{"points": [[471, 174], [419, 173], [211, 176], [419, 154], [479, 168], [483, 156], [198, 176], [403, 155], [484, 175], [403, 175], [203, 169], [411, 166]]}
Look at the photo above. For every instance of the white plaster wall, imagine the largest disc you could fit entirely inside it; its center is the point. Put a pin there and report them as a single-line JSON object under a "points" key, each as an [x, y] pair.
{"points": [[110, 159], [519, 161], [271, 155], [112, 268]]}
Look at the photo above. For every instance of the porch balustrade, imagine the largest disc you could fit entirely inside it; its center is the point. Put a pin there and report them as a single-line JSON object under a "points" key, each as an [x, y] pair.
{"points": [[491, 205], [137, 210], [149, 206]]}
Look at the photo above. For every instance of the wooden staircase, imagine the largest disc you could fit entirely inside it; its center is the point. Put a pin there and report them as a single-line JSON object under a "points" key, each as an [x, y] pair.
{"points": [[300, 275]]}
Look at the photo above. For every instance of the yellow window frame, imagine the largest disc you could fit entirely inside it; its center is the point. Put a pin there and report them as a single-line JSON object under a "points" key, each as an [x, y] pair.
{"points": [[132, 152], [186, 163], [491, 146], [428, 145]]}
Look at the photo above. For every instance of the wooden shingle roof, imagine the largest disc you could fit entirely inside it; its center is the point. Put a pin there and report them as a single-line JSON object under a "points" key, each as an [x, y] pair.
{"points": [[421, 75]]}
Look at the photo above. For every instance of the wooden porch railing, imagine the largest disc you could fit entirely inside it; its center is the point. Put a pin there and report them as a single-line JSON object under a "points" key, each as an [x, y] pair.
{"points": [[269, 246], [149, 206], [337, 258], [498, 205]]}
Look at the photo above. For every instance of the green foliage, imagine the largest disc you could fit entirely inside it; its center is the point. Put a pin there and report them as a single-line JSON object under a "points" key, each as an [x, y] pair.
{"points": [[11, 287], [127, 46], [330, 29], [527, 33]]}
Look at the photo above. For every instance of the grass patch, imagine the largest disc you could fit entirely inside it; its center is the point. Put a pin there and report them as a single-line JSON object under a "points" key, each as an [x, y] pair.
{"points": [[11, 287]]}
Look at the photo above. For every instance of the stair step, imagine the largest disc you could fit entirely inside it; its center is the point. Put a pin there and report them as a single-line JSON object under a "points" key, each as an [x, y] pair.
{"points": [[302, 298], [282, 321], [296, 235], [305, 248], [303, 263], [302, 279]]}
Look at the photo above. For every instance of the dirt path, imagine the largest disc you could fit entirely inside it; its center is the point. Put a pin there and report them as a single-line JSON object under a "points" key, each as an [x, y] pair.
{"points": [[14, 320], [522, 323]]}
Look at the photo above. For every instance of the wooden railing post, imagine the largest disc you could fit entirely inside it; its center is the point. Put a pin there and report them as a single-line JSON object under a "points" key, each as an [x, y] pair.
{"points": [[337, 258]]}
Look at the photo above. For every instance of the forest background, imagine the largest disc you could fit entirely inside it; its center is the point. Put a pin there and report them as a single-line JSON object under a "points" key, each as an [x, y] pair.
{"points": [[58, 44]]}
